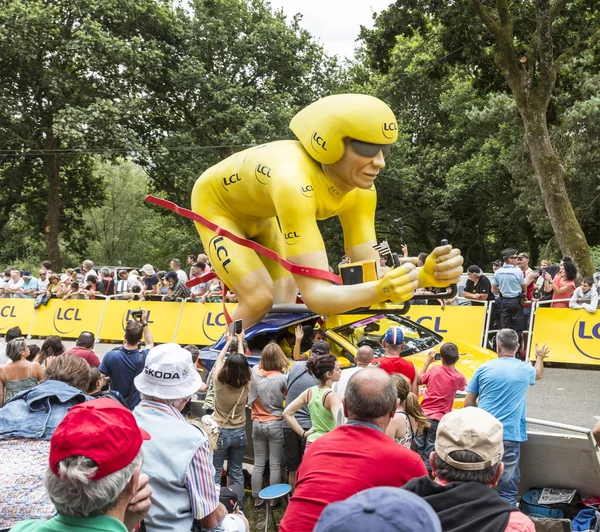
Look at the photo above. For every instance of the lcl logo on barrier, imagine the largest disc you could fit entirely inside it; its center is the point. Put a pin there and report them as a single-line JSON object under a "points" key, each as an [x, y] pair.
{"points": [[212, 320], [8, 311], [437, 323], [586, 338], [64, 318]]}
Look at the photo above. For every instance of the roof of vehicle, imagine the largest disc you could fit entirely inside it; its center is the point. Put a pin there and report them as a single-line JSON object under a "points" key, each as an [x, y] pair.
{"points": [[271, 323]]}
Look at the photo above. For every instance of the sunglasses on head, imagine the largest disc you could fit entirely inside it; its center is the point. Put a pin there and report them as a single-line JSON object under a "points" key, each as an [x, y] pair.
{"points": [[367, 149]]}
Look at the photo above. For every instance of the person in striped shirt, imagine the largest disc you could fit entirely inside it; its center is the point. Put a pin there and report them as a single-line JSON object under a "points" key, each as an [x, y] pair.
{"points": [[177, 458]]}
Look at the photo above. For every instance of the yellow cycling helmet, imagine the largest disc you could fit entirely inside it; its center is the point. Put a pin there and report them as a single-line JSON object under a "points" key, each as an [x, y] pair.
{"points": [[322, 126]]}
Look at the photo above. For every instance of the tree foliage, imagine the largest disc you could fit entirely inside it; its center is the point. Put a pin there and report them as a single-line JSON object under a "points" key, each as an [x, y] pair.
{"points": [[526, 46]]}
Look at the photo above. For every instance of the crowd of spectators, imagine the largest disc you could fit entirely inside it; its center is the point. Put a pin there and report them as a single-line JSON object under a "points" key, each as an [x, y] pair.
{"points": [[89, 282], [93, 440], [372, 435]]}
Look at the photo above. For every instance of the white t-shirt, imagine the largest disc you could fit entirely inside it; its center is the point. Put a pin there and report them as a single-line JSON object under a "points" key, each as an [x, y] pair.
{"points": [[43, 284], [15, 285], [182, 276], [3, 358], [91, 272], [339, 387]]}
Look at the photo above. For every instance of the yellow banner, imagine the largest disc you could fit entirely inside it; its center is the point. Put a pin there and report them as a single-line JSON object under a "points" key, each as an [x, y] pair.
{"points": [[67, 319], [202, 324], [456, 323], [573, 336], [15, 313], [162, 319]]}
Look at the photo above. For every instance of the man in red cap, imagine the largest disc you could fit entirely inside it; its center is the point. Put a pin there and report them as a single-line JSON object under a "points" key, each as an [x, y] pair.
{"points": [[94, 478]]}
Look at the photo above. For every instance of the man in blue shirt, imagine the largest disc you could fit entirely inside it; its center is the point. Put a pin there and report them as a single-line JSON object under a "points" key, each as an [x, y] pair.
{"points": [[509, 282], [123, 364], [30, 285], [500, 388]]}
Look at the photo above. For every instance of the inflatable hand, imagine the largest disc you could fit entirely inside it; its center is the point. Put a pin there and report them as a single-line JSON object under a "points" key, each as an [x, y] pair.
{"points": [[443, 267], [398, 284]]}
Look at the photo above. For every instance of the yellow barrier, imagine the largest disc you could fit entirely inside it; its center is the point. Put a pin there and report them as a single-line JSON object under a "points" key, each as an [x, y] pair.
{"points": [[573, 336], [202, 324], [16, 313], [162, 319], [455, 323], [67, 318]]}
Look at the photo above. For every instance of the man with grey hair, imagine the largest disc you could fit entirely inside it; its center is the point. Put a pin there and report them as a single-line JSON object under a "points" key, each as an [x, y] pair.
{"points": [[355, 456], [94, 478], [500, 388], [87, 269], [178, 457], [467, 464]]}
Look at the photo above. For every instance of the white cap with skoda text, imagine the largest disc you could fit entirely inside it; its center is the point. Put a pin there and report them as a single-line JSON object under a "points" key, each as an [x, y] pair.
{"points": [[168, 373]]}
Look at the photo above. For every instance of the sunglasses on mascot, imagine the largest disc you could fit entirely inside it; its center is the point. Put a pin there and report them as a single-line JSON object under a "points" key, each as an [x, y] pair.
{"points": [[367, 149]]}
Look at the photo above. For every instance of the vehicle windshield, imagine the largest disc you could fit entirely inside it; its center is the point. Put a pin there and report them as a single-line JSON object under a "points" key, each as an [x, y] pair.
{"points": [[370, 331]]}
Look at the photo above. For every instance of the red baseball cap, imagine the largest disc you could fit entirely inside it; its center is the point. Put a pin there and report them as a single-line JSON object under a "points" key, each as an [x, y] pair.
{"points": [[102, 430]]}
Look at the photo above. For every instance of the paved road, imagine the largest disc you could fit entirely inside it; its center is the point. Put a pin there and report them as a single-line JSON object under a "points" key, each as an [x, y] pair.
{"points": [[566, 395]]}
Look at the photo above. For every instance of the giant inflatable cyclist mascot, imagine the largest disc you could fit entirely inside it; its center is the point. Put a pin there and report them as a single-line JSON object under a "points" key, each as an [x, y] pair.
{"points": [[274, 194]]}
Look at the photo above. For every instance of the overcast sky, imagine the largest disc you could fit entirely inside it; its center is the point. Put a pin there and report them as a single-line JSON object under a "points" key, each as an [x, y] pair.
{"points": [[335, 23]]}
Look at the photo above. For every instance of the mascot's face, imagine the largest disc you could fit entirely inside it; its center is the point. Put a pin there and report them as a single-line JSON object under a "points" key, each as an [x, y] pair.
{"points": [[358, 171]]}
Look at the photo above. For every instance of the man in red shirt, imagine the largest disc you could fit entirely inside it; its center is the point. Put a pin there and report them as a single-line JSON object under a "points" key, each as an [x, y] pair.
{"points": [[83, 349], [392, 361], [353, 457]]}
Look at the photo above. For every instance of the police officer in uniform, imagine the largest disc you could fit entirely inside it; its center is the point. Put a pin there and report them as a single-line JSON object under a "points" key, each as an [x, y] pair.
{"points": [[509, 283]]}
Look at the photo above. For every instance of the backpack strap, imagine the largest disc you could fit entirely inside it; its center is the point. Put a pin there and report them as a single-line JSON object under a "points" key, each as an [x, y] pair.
{"points": [[138, 370]]}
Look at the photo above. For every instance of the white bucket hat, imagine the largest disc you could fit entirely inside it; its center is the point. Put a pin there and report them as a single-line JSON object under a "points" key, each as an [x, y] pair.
{"points": [[168, 373], [148, 269]]}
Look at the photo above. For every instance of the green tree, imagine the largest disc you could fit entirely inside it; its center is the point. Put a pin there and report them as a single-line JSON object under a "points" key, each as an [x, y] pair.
{"points": [[527, 45], [73, 78]]}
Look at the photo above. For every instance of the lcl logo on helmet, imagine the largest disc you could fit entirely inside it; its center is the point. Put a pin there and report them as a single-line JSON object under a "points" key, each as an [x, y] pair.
{"points": [[307, 191], [318, 143], [388, 129], [227, 181], [261, 172]]}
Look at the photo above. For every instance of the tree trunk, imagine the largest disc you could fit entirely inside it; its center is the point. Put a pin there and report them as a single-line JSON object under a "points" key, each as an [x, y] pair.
{"points": [[52, 170], [550, 175]]}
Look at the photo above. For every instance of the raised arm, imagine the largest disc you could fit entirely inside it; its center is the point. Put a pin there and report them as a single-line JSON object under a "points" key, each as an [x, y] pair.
{"points": [[221, 358]]}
